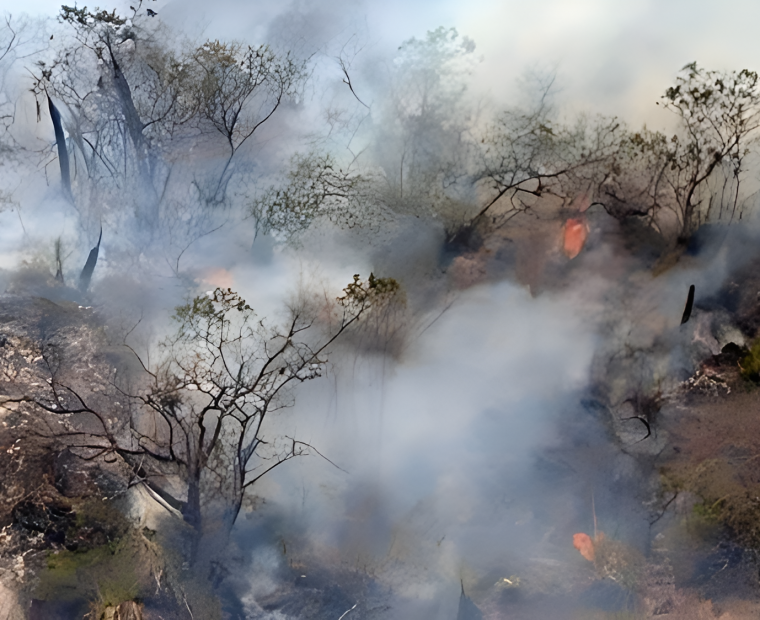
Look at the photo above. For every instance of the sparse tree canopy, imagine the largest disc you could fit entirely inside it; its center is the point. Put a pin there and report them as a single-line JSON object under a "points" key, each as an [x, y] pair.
{"points": [[317, 188], [135, 101], [238, 88], [678, 183], [528, 155], [675, 184], [423, 125], [720, 115]]}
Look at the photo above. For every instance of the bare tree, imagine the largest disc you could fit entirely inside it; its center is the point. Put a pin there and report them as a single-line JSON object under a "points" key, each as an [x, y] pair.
{"points": [[207, 405], [19, 41], [224, 373], [238, 88], [720, 116], [10, 40]]}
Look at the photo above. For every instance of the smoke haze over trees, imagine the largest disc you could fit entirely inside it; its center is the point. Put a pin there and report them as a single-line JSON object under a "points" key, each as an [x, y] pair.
{"points": [[509, 365]]}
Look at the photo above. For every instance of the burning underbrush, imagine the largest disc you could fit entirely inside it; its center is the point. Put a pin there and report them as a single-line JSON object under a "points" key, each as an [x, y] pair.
{"points": [[660, 446]]}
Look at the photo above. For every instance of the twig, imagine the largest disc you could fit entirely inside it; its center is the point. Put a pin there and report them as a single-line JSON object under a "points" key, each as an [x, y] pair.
{"points": [[664, 509], [190, 611], [347, 81], [311, 447]]}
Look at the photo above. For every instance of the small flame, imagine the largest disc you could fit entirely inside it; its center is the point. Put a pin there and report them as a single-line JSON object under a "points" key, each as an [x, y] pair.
{"points": [[575, 234], [216, 276], [584, 543]]}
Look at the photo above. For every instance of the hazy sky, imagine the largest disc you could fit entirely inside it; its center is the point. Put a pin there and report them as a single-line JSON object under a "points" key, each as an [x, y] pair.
{"points": [[616, 57]]}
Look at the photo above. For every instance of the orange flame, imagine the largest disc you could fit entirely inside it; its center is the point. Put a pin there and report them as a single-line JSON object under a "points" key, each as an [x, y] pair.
{"points": [[575, 234], [583, 543]]}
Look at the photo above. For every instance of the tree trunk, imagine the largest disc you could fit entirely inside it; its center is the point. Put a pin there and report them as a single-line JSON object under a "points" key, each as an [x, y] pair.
{"points": [[147, 197], [191, 511]]}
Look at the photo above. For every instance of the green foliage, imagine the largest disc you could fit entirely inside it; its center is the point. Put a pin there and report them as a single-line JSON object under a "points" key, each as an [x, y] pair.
{"points": [[729, 500], [223, 374], [86, 18], [209, 317], [709, 511], [108, 573], [359, 295], [111, 564], [231, 74], [384, 322], [750, 363], [741, 513], [211, 307], [715, 105]]}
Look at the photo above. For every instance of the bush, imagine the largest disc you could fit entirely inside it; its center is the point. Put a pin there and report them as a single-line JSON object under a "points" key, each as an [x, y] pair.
{"points": [[750, 363]]}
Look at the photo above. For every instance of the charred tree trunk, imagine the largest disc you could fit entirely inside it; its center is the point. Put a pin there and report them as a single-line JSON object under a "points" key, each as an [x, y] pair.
{"points": [[147, 195], [191, 511], [63, 154]]}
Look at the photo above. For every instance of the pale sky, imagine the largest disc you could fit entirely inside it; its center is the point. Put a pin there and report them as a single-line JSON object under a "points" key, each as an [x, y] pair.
{"points": [[612, 56]]}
